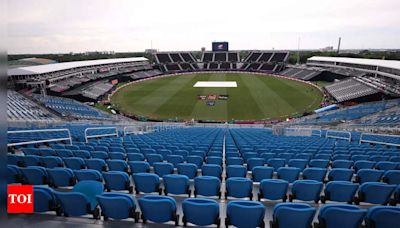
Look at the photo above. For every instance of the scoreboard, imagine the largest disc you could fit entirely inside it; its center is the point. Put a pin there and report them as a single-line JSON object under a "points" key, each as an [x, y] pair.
{"points": [[220, 46]]}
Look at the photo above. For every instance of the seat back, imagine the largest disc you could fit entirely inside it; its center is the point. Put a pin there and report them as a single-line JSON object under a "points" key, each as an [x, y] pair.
{"points": [[239, 187], [159, 209], [300, 214], [241, 213], [201, 212], [383, 217], [116, 205], [207, 186]]}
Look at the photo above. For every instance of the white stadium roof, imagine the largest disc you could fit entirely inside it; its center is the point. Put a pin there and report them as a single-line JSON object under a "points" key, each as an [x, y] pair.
{"points": [[48, 68], [371, 62]]}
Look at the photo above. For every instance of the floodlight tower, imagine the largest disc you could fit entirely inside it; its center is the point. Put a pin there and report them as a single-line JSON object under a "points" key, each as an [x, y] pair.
{"points": [[338, 47]]}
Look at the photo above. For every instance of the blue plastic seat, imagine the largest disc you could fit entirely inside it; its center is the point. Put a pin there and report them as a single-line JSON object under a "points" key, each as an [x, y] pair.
{"points": [[363, 164], [197, 160], [117, 206], [63, 153], [350, 216], [273, 189], [117, 165], [81, 200], [14, 174], [34, 175], [44, 199], [211, 170], [344, 164], [339, 191], [146, 182], [31, 160], [152, 158], [135, 157], [298, 163], [260, 173], [158, 209], [176, 184], [74, 163], [117, 149], [88, 174], [99, 154], [183, 153], [214, 160], [201, 212], [47, 152], [82, 154], [383, 217], [175, 159], [317, 174], [52, 162], [163, 168], [301, 215], [96, 164], [392, 177], [239, 187], [164, 153], [254, 162], [306, 190], [340, 174], [242, 213], [369, 175], [387, 165], [117, 156], [117, 180], [101, 148], [289, 174], [247, 155], [319, 163], [236, 171], [86, 147], [139, 166], [267, 156], [234, 161], [187, 169], [61, 177], [375, 192], [276, 163], [207, 186], [130, 150]]}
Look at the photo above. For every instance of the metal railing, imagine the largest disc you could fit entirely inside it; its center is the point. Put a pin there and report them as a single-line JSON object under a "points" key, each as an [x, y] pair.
{"points": [[327, 135], [41, 140], [87, 137], [362, 140]]}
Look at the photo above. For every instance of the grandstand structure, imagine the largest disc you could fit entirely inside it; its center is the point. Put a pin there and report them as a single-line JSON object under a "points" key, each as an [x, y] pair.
{"points": [[176, 61]]}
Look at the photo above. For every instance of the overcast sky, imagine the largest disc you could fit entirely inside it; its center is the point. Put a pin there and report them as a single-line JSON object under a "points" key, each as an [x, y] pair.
{"points": [[59, 26]]}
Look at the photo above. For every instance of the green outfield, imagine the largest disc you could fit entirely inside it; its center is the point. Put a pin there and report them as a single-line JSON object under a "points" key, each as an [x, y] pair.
{"points": [[256, 97]]}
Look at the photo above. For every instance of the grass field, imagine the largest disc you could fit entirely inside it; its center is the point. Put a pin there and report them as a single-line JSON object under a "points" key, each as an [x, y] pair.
{"points": [[255, 98]]}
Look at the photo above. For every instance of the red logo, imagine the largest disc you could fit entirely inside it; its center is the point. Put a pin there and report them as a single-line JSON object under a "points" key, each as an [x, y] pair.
{"points": [[20, 199]]}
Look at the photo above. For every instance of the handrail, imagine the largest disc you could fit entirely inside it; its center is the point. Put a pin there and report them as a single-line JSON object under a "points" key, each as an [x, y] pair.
{"points": [[378, 142], [130, 127], [338, 137], [311, 130], [87, 137], [69, 138]]}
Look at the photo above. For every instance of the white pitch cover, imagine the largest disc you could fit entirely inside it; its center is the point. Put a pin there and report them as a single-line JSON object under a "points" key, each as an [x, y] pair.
{"points": [[215, 84]]}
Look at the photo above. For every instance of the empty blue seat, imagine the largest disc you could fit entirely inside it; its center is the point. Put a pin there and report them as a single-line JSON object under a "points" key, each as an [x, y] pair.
{"points": [[81, 200], [146, 182], [193, 159], [61, 177], [86, 147], [52, 162], [187, 169], [236, 171], [164, 153], [74, 163], [96, 164], [317, 174], [267, 156], [82, 154], [387, 165], [101, 148], [392, 177], [135, 157], [301, 215], [130, 150], [201, 212], [375, 192], [298, 163], [14, 174], [116, 155], [260, 173], [369, 175], [319, 163], [340, 174], [350, 216], [64, 153], [239, 187], [344, 164], [31, 160], [247, 155], [47, 152], [117, 206], [214, 160], [88, 174], [211, 170], [34, 175], [276, 163], [117, 149], [207, 186], [363, 164], [254, 162], [182, 153], [152, 158], [289, 174], [31, 151], [163, 168], [176, 184], [175, 159], [139, 166], [339, 191], [99, 154], [273, 189], [117, 180], [383, 217], [159, 209], [117, 165], [234, 161], [306, 190], [44, 199], [241, 213]]}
